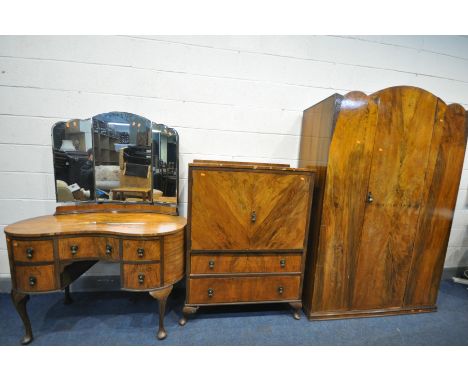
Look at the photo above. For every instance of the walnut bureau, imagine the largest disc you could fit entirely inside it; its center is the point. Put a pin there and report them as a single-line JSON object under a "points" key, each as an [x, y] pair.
{"points": [[48, 253], [246, 237]]}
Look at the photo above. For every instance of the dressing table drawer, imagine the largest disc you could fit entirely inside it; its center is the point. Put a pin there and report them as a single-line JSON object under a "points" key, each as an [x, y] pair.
{"points": [[33, 250], [141, 276], [210, 290], [141, 250], [30, 278], [245, 263], [88, 247]]}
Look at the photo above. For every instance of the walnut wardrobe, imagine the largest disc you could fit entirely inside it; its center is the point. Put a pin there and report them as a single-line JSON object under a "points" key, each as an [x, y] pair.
{"points": [[388, 170]]}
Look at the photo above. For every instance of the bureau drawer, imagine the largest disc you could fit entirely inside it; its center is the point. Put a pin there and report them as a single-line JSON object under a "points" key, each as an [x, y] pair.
{"points": [[244, 263], [136, 250], [33, 251], [105, 248], [243, 289], [141, 276], [31, 278]]}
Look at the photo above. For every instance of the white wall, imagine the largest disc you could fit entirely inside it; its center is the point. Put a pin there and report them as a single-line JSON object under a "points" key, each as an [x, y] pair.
{"points": [[238, 98]]}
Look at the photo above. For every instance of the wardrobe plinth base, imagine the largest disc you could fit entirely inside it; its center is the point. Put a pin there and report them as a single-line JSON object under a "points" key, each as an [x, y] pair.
{"points": [[369, 313]]}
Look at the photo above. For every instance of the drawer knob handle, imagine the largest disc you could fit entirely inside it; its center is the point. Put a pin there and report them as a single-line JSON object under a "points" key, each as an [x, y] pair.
{"points": [[74, 250], [211, 264], [282, 263], [280, 290], [32, 281], [141, 252], [210, 292], [141, 278], [370, 198], [253, 217], [108, 249], [29, 253]]}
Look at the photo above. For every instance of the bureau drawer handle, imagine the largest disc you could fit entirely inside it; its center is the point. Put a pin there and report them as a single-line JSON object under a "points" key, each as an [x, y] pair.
{"points": [[141, 252], [253, 217], [108, 249], [280, 290], [29, 253], [282, 263], [211, 264], [74, 250], [141, 278], [32, 281], [210, 292]]}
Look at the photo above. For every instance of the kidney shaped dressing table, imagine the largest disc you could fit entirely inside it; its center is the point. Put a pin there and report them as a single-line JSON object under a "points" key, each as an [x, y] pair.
{"points": [[146, 238]]}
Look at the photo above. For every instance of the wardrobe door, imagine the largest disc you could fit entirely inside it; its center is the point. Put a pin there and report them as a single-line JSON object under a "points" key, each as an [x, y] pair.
{"points": [[395, 192], [280, 209], [442, 182], [221, 209], [343, 207]]}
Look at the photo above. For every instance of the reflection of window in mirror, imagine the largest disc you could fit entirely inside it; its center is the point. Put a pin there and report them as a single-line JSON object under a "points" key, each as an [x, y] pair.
{"points": [[73, 160]]}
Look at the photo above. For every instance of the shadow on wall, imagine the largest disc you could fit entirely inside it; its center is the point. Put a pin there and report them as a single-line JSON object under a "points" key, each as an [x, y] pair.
{"points": [[459, 257], [463, 260]]}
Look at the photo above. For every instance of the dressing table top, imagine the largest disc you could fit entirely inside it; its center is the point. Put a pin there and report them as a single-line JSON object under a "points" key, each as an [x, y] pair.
{"points": [[125, 223]]}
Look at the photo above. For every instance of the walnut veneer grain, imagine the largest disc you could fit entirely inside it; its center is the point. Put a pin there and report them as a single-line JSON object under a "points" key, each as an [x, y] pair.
{"points": [[247, 233], [50, 252], [385, 196]]}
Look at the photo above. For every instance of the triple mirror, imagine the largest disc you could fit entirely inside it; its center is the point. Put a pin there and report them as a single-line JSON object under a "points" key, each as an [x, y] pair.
{"points": [[115, 157]]}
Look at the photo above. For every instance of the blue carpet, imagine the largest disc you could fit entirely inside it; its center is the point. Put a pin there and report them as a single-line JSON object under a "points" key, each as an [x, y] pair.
{"points": [[123, 318]]}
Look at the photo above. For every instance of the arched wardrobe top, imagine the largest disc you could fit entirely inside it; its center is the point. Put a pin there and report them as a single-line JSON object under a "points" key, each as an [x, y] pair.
{"points": [[319, 120]]}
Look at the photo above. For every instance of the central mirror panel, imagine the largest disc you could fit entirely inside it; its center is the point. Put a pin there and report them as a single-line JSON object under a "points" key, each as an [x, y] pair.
{"points": [[116, 157], [122, 157]]}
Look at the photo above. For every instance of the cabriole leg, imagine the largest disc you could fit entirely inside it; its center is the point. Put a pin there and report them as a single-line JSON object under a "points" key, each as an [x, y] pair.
{"points": [[297, 306], [19, 301], [161, 295], [67, 299], [186, 311]]}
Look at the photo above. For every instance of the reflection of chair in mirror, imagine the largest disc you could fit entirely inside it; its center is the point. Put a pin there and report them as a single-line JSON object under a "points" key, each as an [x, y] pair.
{"points": [[70, 169], [68, 165], [135, 179], [63, 192]]}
